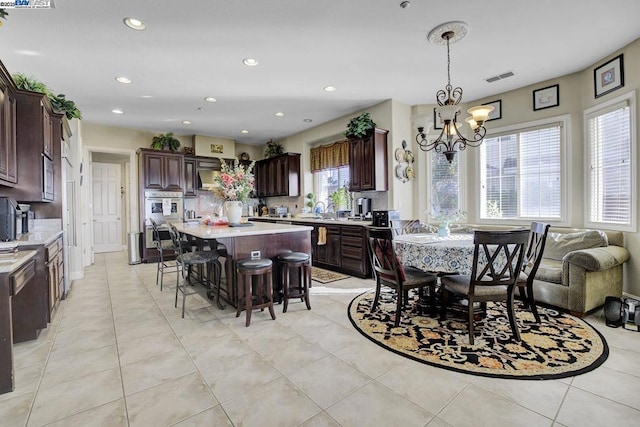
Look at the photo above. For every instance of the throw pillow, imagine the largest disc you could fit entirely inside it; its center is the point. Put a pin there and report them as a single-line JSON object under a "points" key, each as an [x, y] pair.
{"points": [[559, 244]]}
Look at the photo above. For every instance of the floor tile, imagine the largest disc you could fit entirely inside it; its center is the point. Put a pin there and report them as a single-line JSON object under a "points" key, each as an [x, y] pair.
{"points": [[369, 358], [375, 405], [614, 385], [73, 366], [111, 414], [170, 402], [211, 417], [465, 410], [584, 409], [291, 354], [132, 351], [279, 402], [156, 370], [15, 411]]}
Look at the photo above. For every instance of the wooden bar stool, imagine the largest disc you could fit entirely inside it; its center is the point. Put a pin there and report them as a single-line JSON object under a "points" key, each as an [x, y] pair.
{"points": [[302, 262], [262, 294]]}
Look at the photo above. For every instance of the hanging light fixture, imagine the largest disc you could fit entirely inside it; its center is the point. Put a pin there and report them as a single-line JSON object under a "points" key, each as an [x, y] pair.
{"points": [[451, 139]]}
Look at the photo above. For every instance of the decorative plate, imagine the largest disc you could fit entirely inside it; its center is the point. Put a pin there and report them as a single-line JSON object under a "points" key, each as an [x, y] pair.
{"points": [[410, 173], [400, 155], [244, 156], [409, 156]]}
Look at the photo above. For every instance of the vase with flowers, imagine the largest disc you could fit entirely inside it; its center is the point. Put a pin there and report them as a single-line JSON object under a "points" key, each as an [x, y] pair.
{"points": [[445, 218], [235, 183]]}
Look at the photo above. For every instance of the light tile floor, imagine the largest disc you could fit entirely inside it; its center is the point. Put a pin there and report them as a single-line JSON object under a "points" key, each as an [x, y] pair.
{"points": [[118, 353]]}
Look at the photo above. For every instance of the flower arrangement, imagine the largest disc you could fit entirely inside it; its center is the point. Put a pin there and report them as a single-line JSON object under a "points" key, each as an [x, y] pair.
{"points": [[235, 181], [447, 217]]}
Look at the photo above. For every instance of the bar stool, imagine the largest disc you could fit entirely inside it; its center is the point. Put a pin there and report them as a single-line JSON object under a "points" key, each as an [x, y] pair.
{"points": [[187, 260], [300, 261], [246, 270], [165, 249]]}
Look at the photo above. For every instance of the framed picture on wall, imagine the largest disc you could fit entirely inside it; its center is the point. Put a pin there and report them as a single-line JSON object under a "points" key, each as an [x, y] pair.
{"points": [[497, 110], [437, 122], [546, 97], [609, 76]]}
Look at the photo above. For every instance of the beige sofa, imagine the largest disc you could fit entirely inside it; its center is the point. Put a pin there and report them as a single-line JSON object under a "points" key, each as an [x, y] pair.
{"points": [[576, 280]]}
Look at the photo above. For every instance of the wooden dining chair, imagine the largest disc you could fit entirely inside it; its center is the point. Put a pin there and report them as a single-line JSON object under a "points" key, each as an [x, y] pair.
{"points": [[533, 257], [493, 276], [389, 271], [410, 226]]}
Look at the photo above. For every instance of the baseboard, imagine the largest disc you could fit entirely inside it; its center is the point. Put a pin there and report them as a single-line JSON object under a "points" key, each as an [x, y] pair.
{"points": [[628, 295]]}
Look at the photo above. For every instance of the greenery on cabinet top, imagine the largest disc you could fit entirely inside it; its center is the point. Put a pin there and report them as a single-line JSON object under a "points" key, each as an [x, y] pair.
{"points": [[360, 126], [58, 102]]}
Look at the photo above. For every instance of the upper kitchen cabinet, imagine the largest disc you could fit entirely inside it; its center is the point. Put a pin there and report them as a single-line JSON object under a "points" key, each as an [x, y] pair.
{"points": [[8, 163], [161, 170], [278, 176], [368, 162], [190, 177], [39, 156]]}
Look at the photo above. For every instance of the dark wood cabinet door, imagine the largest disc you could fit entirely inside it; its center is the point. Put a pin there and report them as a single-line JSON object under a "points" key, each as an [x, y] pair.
{"points": [[47, 148], [367, 170], [368, 162], [8, 164], [153, 171], [355, 165], [48, 175], [173, 173], [190, 178]]}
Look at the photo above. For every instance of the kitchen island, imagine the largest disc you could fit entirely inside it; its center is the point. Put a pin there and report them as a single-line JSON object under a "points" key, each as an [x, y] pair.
{"points": [[261, 239]]}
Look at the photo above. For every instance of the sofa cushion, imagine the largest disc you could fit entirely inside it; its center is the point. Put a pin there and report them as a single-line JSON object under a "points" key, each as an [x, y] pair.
{"points": [[550, 270], [558, 244]]}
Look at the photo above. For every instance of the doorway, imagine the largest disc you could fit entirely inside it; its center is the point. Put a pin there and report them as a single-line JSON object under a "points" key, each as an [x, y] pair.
{"points": [[107, 207]]}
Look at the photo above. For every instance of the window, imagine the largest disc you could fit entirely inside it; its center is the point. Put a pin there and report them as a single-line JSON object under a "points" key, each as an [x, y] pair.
{"points": [[445, 186], [610, 169], [327, 181], [520, 173]]}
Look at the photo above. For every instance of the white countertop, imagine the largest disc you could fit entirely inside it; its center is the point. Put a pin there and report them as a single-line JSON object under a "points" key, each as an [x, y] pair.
{"points": [[11, 262], [315, 220], [221, 231], [41, 237]]}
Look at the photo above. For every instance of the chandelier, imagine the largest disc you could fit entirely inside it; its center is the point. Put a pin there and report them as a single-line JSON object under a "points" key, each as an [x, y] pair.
{"points": [[451, 139]]}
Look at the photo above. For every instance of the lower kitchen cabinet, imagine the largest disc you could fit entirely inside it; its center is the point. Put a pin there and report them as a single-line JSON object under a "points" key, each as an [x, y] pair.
{"points": [[329, 254]]}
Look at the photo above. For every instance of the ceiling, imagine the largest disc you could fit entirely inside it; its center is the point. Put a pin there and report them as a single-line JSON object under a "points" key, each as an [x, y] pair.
{"points": [[370, 50]]}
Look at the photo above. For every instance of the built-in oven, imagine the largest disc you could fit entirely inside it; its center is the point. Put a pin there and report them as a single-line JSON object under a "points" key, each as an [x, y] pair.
{"points": [[162, 207]]}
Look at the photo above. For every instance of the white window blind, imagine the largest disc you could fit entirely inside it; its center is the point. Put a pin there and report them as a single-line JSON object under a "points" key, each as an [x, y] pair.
{"points": [[610, 173], [327, 181], [445, 185], [521, 176]]}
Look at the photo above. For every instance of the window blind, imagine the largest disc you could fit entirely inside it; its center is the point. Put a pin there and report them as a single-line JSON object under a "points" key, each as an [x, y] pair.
{"points": [[521, 176], [609, 165]]}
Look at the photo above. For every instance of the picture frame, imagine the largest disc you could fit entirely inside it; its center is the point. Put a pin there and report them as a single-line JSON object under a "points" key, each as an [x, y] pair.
{"points": [[217, 148], [546, 97], [437, 124], [608, 76], [496, 114]]}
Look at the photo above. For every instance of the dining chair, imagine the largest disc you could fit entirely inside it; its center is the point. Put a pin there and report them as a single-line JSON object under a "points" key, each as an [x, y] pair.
{"points": [[389, 271], [497, 262], [410, 226], [166, 255], [533, 257], [187, 260]]}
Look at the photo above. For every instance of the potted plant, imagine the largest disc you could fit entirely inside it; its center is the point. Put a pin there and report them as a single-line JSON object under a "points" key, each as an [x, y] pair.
{"points": [[58, 102], [273, 149], [311, 201], [359, 126], [339, 198], [165, 140]]}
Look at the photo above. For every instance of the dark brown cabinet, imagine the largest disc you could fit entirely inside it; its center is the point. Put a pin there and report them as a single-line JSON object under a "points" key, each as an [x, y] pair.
{"points": [[278, 176], [190, 178], [329, 253], [160, 170], [354, 250], [368, 162], [55, 274], [8, 163]]}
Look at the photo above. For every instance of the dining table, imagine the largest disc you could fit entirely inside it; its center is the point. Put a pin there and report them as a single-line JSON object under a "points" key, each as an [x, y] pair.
{"points": [[247, 240], [437, 254]]}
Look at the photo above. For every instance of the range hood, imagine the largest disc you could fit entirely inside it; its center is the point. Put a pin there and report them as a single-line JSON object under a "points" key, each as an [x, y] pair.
{"points": [[206, 179]]}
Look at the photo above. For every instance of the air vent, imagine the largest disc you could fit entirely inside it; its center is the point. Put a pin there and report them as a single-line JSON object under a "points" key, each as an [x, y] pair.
{"points": [[504, 75]]}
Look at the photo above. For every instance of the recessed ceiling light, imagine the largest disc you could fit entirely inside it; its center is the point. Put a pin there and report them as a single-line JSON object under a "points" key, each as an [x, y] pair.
{"points": [[244, 131], [28, 52], [186, 122], [134, 24], [147, 96], [329, 88], [199, 108], [210, 99], [307, 120], [117, 111], [279, 114], [123, 79], [250, 62]]}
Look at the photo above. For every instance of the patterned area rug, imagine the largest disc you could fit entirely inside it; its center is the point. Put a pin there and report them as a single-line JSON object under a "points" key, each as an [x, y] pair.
{"points": [[326, 276], [560, 346]]}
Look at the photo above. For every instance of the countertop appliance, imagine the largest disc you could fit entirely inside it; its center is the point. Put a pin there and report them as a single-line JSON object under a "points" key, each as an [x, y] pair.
{"points": [[383, 218], [25, 214], [8, 219], [363, 207], [278, 212]]}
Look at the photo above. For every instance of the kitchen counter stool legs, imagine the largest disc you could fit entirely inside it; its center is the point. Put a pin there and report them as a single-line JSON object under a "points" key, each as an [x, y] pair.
{"points": [[247, 270], [300, 261]]}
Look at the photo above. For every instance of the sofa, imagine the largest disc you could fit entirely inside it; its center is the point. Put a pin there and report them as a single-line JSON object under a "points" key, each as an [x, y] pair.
{"points": [[579, 267]]}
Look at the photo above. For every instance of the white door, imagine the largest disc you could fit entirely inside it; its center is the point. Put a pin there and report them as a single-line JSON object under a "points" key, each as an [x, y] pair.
{"points": [[107, 224]]}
